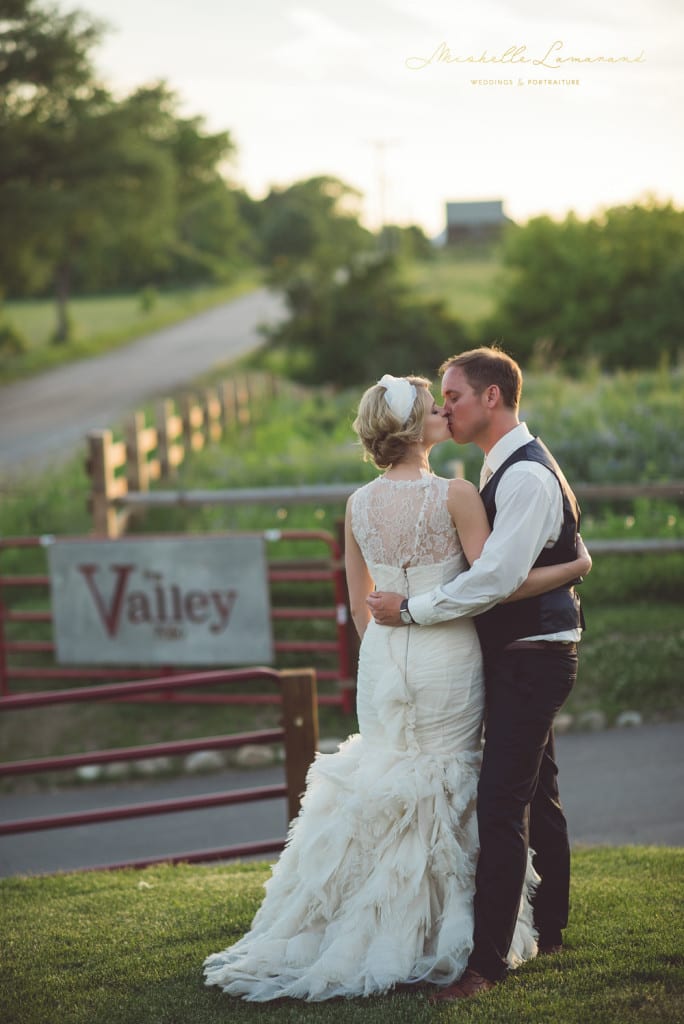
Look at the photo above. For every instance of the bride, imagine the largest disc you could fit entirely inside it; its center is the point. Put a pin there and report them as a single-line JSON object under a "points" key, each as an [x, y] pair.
{"points": [[375, 885]]}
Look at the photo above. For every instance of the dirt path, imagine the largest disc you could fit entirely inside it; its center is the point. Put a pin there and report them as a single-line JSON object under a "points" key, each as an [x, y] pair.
{"points": [[46, 417]]}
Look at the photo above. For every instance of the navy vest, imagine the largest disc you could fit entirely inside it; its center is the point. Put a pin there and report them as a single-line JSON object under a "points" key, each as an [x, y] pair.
{"points": [[556, 610]]}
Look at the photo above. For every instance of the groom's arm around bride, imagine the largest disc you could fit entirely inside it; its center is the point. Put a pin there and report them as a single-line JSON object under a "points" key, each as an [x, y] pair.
{"points": [[530, 655]]}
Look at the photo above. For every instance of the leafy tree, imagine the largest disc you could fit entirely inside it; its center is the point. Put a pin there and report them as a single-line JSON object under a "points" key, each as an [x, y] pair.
{"points": [[209, 236], [351, 315], [610, 288], [641, 249], [77, 166], [44, 55], [406, 243], [351, 327], [250, 215], [311, 224], [201, 235], [86, 176], [97, 191]]}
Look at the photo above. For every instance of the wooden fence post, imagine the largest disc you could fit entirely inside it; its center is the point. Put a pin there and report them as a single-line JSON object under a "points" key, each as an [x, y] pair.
{"points": [[256, 393], [169, 430], [136, 458], [228, 401], [212, 414], [164, 411], [244, 413], [300, 722], [193, 418], [104, 456]]}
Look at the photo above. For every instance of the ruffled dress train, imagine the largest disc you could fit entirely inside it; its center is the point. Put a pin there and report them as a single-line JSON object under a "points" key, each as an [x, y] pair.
{"points": [[375, 885]]}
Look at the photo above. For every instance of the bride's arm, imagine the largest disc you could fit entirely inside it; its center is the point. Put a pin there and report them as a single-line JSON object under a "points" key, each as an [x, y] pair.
{"points": [[470, 519], [359, 581], [548, 577]]}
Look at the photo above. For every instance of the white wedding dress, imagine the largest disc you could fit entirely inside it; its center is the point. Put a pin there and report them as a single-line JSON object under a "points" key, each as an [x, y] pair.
{"points": [[375, 886]]}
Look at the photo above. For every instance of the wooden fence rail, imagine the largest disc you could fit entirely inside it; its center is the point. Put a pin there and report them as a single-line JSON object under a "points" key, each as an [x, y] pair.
{"points": [[120, 469], [333, 493]]}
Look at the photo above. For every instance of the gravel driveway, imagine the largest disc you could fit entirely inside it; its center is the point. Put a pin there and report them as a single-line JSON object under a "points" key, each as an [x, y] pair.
{"points": [[46, 417]]}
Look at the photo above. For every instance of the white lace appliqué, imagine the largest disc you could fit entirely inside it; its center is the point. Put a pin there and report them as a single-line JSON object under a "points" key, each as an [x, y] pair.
{"points": [[404, 522]]}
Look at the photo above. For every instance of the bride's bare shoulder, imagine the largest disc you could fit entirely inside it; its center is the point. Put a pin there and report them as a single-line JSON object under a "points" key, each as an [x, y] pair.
{"points": [[462, 496], [462, 489]]}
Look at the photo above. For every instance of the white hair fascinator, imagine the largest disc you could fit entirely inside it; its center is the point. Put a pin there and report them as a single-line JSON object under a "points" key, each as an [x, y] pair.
{"points": [[400, 394]]}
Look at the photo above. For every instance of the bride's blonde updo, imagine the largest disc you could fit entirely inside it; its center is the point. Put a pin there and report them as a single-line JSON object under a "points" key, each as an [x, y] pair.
{"points": [[385, 439]]}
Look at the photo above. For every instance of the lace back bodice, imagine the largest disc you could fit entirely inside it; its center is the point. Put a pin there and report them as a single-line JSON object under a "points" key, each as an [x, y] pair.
{"points": [[404, 523]]}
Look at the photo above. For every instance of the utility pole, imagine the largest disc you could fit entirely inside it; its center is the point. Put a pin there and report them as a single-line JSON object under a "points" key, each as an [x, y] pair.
{"points": [[381, 146]]}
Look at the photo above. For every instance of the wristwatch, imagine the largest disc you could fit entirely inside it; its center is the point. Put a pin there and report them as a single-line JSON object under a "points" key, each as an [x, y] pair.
{"points": [[405, 614]]}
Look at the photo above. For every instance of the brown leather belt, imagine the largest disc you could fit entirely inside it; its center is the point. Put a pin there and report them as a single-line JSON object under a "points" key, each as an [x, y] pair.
{"points": [[567, 646]]}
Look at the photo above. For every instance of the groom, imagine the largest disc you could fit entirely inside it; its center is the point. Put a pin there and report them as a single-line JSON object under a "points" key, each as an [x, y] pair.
{"points": [[530, 658]]}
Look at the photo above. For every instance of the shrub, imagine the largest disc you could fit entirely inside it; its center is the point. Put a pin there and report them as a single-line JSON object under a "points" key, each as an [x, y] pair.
{"points": [[148, 298], [12, 341]]}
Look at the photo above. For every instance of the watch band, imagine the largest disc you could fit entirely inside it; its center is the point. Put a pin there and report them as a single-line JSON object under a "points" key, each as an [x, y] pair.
{"points": [[405, 612]]}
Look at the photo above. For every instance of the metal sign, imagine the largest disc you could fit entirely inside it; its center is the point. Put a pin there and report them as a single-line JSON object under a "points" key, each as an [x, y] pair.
{"points": [[161, 601]]}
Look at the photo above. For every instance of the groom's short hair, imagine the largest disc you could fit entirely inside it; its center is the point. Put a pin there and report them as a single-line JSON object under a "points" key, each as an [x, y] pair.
{"points": [[489, 365]]}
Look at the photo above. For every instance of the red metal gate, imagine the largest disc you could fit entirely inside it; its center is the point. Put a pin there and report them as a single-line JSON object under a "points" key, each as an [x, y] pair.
{"points": [[299, 734], [25, 609]]}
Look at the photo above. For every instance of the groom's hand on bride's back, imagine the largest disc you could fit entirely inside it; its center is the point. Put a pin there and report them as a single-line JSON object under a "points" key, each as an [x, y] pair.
{"points": [[385, 607]]}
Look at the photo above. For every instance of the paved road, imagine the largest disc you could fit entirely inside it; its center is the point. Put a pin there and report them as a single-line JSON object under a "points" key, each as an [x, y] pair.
{"points": [[619, 787], [46, 417]]}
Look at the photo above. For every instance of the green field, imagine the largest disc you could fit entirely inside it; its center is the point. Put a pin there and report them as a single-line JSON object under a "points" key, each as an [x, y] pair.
{"points": [[127, 947], [102, 322], [466, 284]]}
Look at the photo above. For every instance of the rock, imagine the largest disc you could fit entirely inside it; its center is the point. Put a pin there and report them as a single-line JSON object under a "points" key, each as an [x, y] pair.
{"points": [[253, 756], [592, 721], [89, 772], [153, 765], [563, 723], [328, 746], [204, 761], [627, 719]]}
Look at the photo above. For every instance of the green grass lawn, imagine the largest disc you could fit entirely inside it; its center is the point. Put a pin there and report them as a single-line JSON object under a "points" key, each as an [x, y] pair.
{"points": [[631, 658], [127, 947], [105, 321]]}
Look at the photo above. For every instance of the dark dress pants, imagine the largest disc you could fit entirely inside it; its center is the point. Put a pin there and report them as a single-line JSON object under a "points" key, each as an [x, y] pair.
{"points": [[518, 802]]}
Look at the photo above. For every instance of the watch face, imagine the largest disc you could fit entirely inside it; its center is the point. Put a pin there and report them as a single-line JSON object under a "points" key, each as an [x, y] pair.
{"points": [[405, 616]]}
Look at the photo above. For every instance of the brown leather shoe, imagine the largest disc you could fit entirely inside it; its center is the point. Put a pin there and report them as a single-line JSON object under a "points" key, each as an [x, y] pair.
{"points": [[471, 984]]}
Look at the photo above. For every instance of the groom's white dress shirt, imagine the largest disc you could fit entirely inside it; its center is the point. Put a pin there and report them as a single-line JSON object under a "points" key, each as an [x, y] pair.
{"points": [[529, 516]]}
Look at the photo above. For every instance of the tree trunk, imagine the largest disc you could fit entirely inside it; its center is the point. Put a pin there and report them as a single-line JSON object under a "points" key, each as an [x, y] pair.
{"points": [[62, 291]]}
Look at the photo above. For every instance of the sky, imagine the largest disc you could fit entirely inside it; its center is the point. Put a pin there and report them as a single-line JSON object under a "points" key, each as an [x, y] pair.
{"points": [[355, 89]]}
